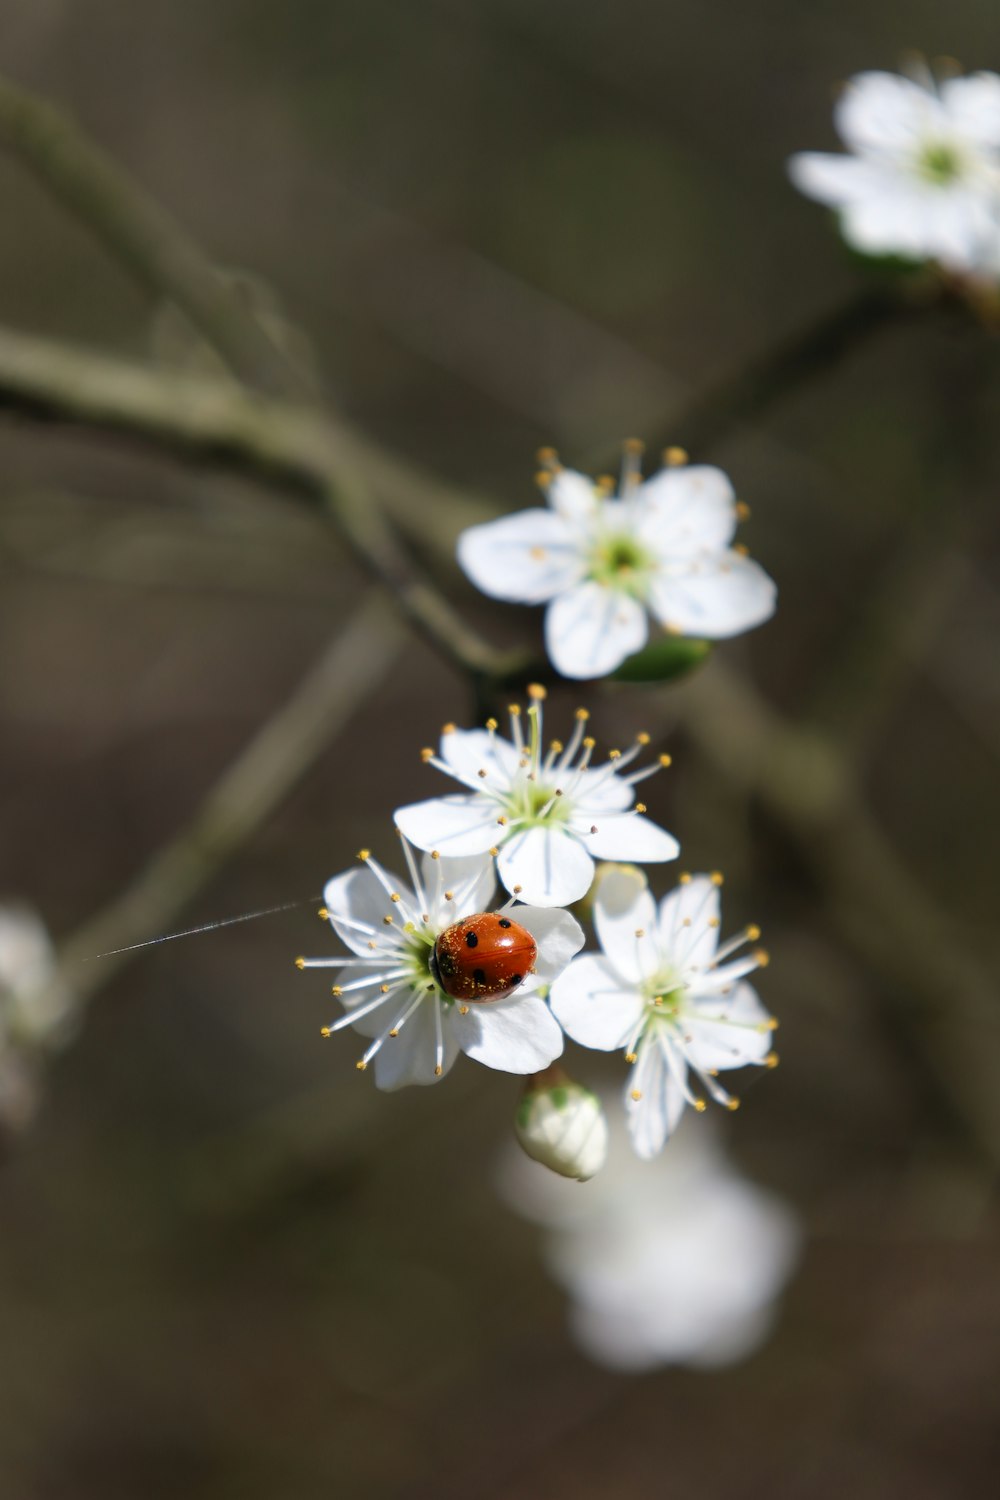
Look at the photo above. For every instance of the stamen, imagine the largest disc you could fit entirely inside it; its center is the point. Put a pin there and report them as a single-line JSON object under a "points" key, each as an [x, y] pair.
{"points": [[358, 1012], [438, 1040], [675, 458]]}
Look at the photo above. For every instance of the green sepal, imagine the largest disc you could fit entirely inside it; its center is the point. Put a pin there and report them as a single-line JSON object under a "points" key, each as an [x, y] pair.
{"points": [[670, 656]]}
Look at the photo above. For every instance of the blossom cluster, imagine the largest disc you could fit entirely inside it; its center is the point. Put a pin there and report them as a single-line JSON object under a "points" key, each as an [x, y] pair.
{"points": [[921, 180], [534, 816]]}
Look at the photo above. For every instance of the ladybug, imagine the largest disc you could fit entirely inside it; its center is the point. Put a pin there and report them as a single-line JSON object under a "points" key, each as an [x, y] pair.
{"points": [[483, 958]]}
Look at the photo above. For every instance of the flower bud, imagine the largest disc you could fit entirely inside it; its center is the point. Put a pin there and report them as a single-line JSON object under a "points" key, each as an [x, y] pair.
{"points": [[562, 1125]]}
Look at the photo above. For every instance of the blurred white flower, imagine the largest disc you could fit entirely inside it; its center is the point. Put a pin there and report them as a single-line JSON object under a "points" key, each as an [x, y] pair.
{"points": [[924, 178], [391, 993], [603, 563], [545, 814], [34, 1010], [677, 1261], [670, 995], [561, 1124]]}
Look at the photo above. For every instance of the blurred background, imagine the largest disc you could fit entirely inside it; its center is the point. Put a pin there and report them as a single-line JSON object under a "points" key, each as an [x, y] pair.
{"points": [[227, 1266]]}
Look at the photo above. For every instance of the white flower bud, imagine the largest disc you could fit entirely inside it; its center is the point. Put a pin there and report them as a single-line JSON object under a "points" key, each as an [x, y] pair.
{"points": [[562, 1125]]}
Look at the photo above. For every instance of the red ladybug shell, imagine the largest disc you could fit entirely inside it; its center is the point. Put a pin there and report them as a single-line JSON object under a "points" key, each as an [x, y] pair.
{"points": [[484, 957]]}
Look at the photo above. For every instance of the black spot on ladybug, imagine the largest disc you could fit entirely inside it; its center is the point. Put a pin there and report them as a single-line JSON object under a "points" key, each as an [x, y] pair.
{"points": [[516, 978], [471, 941], [479, 976], [504, 922]]}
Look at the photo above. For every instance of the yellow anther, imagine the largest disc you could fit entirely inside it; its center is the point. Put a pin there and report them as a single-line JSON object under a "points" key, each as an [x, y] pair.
{"points": [[665, 760], [364, 854], [384, 988], [640, 807], [536, 691], [556, 747], [733, 1104], [372, 945], [502, 821], [438, 1071], [300, 963], [481, 774], [323, 914], [631, 1057], [642, 738], [614, 755], [672, 628], [716, 877], [605, 484], [771, 1060], [634, 445], [772, 1024], [640, 932], [435, 854], [742, 510], [449, 895], [395, 896], [741, 549], [426, 754], [583, 714], [637, 1095], [700, 1106], [336, 991], [463, 1010], [675, 458], [387, 920], [325, 1031], [394, 1031], [547, 456], [753, 933], [448, 728], [517, 890], [762, 957], [494, 851], [686, 922], [684, 878], [657, 999], [491, 725], [514, 709], [713, 921], [361, 1065], [543, 478], [589, 742]]}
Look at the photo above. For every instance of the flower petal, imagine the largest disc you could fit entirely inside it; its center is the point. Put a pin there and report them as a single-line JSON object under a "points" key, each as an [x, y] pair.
{"points": [[356, 900], [410, 1057], [558, 935], [591, 629], [687, 934], [454, 825], [727, 1033], [631, 836], [715, 597], [472, 882], [593, 1006], [885, 114], [573, 496], [654, 1115], [837, 180], [687, 510], [526, 558], [973, 107], [519, 1035], [622, 908], [469, 751], [545, 866]]}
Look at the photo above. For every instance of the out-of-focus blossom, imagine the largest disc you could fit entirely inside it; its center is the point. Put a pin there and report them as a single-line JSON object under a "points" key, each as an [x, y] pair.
{"points": [[391, 993], [546, 813], [603, 563], [666, 991], [676, 1261], [35, 1008], [561, 1124], [923, 177]]}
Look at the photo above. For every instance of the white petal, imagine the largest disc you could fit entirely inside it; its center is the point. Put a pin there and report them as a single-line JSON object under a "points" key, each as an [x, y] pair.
{"points": [[973, 106], [686, 510], [591, 629], [715, 597], [687, 934], [631, 836], [558, 935], [519, 1035], [727, 1032], [411, 1056], [454, 825], [886, 114], [593, 1006], [357, 898], [623, 907], [600, 790], [548, 866], [654, 1115], [526, 558], [472, 882], [899, 221], [837, 180], [469, 751], [574, 497]]}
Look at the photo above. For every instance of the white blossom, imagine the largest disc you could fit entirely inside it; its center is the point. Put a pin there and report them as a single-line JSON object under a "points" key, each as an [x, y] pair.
{"points": [[35, 1008], [674, 1261], [546, 813], [603, 563], [562, 1125], [390, 993], [923, 177], [667, 992]]}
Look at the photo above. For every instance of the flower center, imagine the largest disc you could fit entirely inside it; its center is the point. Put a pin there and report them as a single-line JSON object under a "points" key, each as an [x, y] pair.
{"points": [[533, 804], [620, 561], [664, 998], [940, 164]]}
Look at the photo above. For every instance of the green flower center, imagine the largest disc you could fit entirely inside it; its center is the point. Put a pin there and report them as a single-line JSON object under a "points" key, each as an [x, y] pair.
{"points": [[622, 562], [533, 805], [940, 164]]}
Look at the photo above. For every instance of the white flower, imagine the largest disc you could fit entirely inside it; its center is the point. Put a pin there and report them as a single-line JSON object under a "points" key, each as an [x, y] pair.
{"points": [[34, 1010], [602, 563], [666, 992], [677, 1261], [390, 993], [545, 814], [561, 1124], [924, 177]]}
